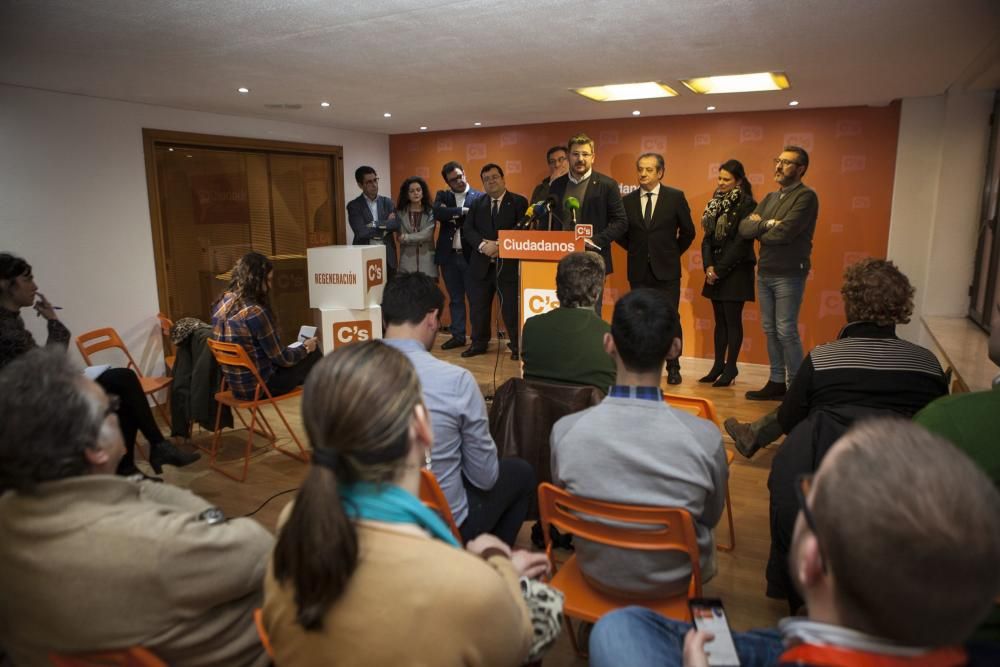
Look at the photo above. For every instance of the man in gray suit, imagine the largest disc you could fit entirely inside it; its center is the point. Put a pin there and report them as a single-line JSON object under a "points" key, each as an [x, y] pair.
{"points": [[784, 223], [373, 217]]}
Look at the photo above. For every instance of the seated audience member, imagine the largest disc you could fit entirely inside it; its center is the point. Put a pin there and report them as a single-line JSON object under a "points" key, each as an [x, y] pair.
{"points": [[90, 561], [633, 448], [567, 344], [243, 315], [17, 291], [363, 572], [486, 495], [868, 368], [971, 422], [416, 227], [891, 575]]}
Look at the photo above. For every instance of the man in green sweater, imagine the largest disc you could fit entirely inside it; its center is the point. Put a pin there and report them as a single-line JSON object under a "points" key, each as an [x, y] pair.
{"points": [[567, 344]]}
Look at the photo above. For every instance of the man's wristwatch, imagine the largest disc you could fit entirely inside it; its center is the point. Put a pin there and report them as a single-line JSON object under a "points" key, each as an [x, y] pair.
{"points": [[212, 516]]}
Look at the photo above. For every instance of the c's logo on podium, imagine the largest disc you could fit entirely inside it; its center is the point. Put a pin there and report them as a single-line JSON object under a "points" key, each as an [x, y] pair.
{"points": [[351, 332], [374, 273], [538, 301], [582, 231]]}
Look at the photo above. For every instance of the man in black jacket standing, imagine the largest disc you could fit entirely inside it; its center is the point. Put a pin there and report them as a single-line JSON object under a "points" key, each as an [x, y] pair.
{"points": [[659, 232], [599, 197]]}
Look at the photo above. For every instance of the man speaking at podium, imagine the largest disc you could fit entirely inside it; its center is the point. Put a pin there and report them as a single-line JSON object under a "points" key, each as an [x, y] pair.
{"points": [[498, 209], [599, 198]]}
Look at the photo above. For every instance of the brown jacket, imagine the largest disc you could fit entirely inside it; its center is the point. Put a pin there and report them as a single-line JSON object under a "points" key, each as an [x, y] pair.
{"points": [[102, 562], [412, 601]]}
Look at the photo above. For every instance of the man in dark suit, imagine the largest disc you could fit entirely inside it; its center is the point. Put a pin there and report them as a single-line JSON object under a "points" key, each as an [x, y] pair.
{"points": [[599, 196], [659, 231], [373, 217], [497, 210], [452, 252]]}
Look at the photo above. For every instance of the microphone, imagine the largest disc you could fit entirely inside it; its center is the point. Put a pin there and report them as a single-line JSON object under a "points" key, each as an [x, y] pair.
{"points": [[572, 204]]}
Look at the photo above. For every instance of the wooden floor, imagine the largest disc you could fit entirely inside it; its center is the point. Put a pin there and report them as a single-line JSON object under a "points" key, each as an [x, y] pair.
{"points": [[740, 578]]}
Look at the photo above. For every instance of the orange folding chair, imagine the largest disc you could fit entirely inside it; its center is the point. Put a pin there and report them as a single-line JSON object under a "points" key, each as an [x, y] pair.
{"points": [[233, 354], [169, 353], [704, 408], [135, 656], [649, 529], [107, 338], [265, 641], [432, 496]]}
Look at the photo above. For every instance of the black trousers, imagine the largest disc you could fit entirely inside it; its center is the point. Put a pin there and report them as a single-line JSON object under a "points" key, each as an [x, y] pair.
{"points": [[672, 290], [287, 378], [134, 414], [481, 293], [501, 510]]}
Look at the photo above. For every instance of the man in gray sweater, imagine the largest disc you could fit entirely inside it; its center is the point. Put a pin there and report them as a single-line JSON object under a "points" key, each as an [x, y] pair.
{"points": [[783, 222], [633, 448]]}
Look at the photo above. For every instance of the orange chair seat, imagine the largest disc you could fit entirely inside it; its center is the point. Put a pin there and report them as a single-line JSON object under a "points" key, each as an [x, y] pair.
{"points": [[153, 384], [584, 602], [227, 398], [135, 656]]}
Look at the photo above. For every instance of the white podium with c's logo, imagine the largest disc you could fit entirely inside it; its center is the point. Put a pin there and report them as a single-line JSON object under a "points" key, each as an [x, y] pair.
{"points": [[345, 285]]}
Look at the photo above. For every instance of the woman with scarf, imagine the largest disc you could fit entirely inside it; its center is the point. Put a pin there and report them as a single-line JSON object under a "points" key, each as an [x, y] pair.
{"points": [[416, 227], [363, 572], [729, 262]]}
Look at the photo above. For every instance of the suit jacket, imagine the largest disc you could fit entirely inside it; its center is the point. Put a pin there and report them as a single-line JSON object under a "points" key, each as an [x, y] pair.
{"points": [[416, 248], [479, 227], [368, 231], [449, 214], [601, 207], [661, 244]]}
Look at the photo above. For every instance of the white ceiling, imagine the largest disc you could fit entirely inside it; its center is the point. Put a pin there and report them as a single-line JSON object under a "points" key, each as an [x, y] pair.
{"points": [[448, 63]]}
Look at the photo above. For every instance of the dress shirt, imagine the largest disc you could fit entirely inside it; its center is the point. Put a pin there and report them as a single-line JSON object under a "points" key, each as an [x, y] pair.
{"points": [[499, 201], [580, 180], [643, 199], [632, 391], [456, 241], [373, 207], [462, 441]]}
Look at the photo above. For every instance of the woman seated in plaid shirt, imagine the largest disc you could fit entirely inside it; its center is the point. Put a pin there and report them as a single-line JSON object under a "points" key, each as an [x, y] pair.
{"points": [[243, 315]]}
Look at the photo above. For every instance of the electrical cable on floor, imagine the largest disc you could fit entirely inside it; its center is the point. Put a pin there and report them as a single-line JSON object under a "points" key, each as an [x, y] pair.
{"points": [[261, 506]]}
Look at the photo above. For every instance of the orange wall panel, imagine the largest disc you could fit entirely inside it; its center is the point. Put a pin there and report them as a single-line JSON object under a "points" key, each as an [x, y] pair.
{"points": [[852, 153]]}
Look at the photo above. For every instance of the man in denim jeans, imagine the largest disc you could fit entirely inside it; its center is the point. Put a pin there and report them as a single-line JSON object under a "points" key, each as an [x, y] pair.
{"points": [[784, 223]]}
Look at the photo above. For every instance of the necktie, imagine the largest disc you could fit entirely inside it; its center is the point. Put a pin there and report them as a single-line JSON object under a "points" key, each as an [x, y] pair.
{"points": [[494, 209], [647, 216]]}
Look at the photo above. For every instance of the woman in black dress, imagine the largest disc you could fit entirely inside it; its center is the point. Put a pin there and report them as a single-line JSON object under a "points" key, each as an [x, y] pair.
{"points": [[729, 262]]}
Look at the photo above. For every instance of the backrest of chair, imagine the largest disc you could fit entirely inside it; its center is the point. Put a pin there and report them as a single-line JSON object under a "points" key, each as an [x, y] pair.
{"points": [[433, 497], [166, 324], [265, 641], [233, 354], [97, 340], [135, 656], [697, 405], [639, 527]]}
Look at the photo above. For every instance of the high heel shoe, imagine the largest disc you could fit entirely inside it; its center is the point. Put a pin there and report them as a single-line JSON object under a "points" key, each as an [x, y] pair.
{"points": [[726, 379], [713, 374]]}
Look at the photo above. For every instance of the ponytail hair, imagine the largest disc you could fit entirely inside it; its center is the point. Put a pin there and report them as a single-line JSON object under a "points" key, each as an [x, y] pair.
{"points": [[359, 432]]}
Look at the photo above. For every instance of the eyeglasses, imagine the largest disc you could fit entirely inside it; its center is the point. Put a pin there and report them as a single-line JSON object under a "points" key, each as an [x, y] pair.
{"points": [[114, 402], [557, 160], [802, 485], [784, 163], [369, 181], [578, 154]]}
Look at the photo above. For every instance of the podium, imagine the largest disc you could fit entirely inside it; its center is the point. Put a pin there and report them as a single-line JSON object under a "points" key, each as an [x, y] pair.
{"points": [[539, 254], [345, 285]]}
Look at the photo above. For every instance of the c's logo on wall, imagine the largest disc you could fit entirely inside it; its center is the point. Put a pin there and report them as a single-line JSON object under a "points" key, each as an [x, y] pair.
{"points": [[345, 333], [374, 273], [538, 301]]}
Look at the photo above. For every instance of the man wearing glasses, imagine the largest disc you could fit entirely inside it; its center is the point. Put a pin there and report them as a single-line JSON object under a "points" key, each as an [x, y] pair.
{"points": [[784, 223], [558, 161], [452, 253], [373, 217], [599, 197]]}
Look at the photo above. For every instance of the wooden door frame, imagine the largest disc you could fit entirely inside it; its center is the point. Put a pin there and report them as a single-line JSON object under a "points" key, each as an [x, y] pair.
{"points": [[151, 138]]}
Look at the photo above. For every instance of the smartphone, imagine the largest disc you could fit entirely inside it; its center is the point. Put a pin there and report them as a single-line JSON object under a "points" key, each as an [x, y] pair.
{"points": [[708, 615]]}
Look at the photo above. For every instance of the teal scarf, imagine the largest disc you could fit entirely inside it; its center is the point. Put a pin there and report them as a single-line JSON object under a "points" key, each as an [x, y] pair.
{"points": [[392, 504]]}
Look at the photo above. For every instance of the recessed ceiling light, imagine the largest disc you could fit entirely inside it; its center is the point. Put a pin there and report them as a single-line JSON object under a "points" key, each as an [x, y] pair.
{"points": [[324, 104], [477, 124], [737, 83], [189, 155], [423, 127], [243, 90], [793, 103], [171, 150], [626, 91], [709, 108], [636, 112], [387, 114]]}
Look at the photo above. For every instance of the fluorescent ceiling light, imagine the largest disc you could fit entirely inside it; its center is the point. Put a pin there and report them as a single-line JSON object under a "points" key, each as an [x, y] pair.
{"points": [[626, 91], [738, 83]]}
